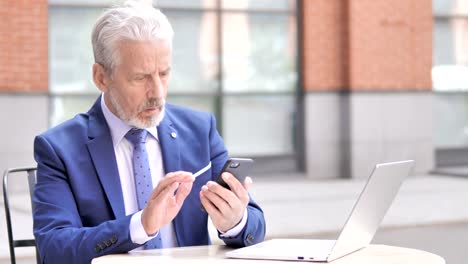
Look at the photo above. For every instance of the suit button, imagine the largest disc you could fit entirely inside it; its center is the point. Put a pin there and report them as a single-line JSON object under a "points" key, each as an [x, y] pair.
{"points": [[102, 246], [108, 243], [250, 238], [113, 239], [97, 249]]}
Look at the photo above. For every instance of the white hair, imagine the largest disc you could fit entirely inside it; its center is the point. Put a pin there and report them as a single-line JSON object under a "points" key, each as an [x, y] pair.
{"points": [[133, 20]]}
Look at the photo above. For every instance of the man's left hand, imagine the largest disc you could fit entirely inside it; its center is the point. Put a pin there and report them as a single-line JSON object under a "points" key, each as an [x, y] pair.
{"points": [[226, 207]]}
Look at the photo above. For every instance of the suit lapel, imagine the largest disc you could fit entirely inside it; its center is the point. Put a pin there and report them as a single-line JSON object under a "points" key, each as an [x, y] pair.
{"points": [[102, 153], [168, 139]]}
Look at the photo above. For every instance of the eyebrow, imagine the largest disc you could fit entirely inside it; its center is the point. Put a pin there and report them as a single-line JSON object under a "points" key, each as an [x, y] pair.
{"points": [[146, 73], [139, 73], [168, 69]]}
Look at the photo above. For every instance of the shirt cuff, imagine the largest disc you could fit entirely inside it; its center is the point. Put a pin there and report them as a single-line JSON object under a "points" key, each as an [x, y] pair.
{"points": [[236, 229], [137, 231]]}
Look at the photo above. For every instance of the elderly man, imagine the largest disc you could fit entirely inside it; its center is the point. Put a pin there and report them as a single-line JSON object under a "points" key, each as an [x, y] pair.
{"points": [[119, 177]]}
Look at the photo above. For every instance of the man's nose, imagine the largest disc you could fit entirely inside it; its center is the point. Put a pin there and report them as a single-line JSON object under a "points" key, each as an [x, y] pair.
{"points": [[155, 87]]}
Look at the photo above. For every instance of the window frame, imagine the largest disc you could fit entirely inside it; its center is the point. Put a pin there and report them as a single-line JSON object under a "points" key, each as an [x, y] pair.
{"points": [[294, 162]]}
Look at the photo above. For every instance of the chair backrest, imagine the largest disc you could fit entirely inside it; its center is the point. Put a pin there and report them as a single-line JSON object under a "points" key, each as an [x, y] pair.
{"points": [[14, 243]]}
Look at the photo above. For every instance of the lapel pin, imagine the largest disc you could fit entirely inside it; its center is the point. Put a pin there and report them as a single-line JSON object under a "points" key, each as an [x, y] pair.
{"points": [[173, 135]]}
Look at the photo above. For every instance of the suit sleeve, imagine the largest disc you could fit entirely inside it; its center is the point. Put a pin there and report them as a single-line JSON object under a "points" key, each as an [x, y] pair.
{"points": [[254, 230], [59, 233]]}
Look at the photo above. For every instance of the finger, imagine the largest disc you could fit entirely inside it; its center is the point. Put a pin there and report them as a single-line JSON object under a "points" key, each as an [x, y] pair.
{"points": [[223, 206], [235, 185], [183, 192], [167, 192], [185, 176], [152, 211], [227, 194], [178, 176], [235, 203], [209, 207], [169, 179], [247, 183]]}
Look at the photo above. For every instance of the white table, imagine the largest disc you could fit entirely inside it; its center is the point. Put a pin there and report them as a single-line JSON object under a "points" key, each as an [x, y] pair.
{"points": [[376, 254]]}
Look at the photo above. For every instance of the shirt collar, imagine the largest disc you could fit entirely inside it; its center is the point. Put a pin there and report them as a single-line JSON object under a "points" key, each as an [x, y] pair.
{"points": [[118, 127]]}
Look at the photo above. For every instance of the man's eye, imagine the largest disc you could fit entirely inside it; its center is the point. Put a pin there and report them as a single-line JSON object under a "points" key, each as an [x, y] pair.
{"points": [[140, 78]]}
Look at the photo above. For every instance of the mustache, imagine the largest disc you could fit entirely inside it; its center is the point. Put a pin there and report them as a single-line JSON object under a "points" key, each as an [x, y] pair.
{"points": [[153, 102]]}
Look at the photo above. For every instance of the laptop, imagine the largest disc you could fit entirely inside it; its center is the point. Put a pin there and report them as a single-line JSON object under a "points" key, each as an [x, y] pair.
{"points": [[358, 231]]}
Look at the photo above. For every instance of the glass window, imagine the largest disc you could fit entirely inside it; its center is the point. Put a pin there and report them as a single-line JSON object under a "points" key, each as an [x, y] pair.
{"points": [[237, 61], [259, 4], [157, 3], [449, 7], [450, 41], [77, 3], [201, 103], [451, 116], [259, 53], [70, 49], [66, 107], [195, 60], [443, 42], [450, 73], [187, 3], [258, 125]]}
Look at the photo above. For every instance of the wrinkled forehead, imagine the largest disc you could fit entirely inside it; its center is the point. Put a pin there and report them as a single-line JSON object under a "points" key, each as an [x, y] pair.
{"points": [[144, 55]]}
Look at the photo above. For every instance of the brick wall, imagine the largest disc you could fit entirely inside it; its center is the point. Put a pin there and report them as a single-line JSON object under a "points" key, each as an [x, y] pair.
{"points": [[23, 45], [367, 44], [325, 44]]}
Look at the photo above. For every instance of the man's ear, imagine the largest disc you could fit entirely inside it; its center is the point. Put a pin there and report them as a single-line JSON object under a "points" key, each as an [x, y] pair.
{"points": [[100, 77]]}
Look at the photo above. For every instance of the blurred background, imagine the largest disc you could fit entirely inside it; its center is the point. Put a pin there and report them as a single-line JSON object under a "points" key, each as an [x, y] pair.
{"points": [[316, 91]]}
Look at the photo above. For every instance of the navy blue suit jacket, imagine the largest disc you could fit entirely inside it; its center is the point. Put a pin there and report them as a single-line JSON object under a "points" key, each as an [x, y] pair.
{"points": [[79, 210]]}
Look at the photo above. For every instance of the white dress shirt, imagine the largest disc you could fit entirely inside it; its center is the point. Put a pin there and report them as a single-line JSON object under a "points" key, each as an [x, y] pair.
{"points": [[123, 153]]}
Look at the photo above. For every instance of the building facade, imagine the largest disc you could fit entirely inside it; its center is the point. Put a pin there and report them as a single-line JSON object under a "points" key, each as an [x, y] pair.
{"points": [[325, 87]]}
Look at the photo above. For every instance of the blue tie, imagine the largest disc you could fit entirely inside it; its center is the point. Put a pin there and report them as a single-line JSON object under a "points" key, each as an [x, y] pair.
{"points": [[142, 175]]}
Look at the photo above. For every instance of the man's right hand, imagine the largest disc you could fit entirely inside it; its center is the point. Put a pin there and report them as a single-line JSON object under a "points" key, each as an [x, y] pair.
{"points": [[164, 203]]}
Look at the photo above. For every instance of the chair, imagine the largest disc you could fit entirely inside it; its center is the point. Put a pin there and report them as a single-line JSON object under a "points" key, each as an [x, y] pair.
{"points": [[31, 173]]}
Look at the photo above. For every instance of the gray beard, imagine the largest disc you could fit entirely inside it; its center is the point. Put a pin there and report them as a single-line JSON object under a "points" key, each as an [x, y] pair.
{"points": [[134, 121]]}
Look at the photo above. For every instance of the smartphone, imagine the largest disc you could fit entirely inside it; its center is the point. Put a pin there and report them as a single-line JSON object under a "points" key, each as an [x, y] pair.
{"points": [[239, 167]]}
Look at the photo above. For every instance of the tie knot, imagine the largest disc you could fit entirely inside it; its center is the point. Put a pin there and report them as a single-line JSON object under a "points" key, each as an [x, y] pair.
{"points": [[136, 136]]}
